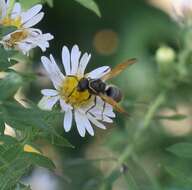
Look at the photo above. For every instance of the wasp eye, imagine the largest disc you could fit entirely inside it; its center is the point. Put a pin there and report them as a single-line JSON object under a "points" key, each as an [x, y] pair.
{"points": [[83, 84]]}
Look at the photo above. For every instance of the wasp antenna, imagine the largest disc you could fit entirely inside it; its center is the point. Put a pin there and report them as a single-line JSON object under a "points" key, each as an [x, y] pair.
{"points": [[126, 114], [131, 61]]}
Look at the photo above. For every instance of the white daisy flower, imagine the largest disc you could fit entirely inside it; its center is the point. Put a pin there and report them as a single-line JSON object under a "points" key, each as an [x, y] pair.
{"points": [[24, 38], [86, 108]]}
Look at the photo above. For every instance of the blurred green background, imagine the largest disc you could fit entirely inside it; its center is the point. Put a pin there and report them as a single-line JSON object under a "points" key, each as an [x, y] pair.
{"points": [[127, 29]]}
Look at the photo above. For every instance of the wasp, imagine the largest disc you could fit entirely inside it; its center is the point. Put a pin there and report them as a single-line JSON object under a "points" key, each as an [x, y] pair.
{"points": [[98, 87]]}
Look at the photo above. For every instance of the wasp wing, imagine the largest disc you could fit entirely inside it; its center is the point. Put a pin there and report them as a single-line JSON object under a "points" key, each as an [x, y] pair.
{"points": [[118, 69], [113, 103]]}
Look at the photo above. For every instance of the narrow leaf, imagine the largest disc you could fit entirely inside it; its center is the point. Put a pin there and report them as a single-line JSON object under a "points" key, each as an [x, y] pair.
{"points": [[59, 140], [131, 181], [181, 149], [6, 30], [173, 117], [91, 5], [179, 174], [9, 85], [39, 160]]}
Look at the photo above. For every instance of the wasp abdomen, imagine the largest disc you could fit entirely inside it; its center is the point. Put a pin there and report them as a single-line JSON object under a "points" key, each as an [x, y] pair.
{"points": [[114, 93]]}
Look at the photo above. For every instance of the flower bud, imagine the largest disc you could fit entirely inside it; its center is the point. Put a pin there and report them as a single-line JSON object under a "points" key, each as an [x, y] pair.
{"points": [[165, 56], [29, 148]]}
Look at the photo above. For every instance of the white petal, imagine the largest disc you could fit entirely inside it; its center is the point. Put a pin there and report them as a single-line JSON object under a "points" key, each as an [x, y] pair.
{"points": [[89, 128], [67, 123], [36, 19], [75, 55], [109, 111], [47, 103], [85, 121], [107, 119], [8, 3], [41, 41], [83, 63], [65, 107], [95, 122], [26, 16], [49, 92], [35, 38], [102, 108], [3, 8], [16, 10], [66, 60], [24, 47], [99, 72], [98, 107], [53, 71], [80, 125]]}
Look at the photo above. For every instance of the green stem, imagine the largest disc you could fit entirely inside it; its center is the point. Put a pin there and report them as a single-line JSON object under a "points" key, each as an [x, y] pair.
{"points": [[147, 120]]}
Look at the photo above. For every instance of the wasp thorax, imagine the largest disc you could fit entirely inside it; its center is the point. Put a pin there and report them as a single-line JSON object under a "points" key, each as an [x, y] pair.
{"points": [[70, 93], [97, 85]]}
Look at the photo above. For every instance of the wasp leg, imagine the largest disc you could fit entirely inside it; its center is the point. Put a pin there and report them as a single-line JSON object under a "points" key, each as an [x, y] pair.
{"points": [[102, 113], [95, 103]]}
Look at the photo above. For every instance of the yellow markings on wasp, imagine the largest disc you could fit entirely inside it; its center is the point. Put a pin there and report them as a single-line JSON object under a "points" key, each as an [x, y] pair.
{"points": [[71, 95], [12, 22], [29, 148]]}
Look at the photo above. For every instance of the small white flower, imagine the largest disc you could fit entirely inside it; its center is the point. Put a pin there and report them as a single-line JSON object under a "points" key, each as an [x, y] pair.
{"points": [[182, 11], [85, 107], [24, 38]]}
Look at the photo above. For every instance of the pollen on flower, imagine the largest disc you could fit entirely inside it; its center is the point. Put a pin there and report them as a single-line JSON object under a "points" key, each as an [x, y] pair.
{"points": [[12, 22], [15, 38], [71, 95]]}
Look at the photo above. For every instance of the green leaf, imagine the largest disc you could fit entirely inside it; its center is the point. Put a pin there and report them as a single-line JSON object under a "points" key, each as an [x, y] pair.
{"points": [[2, 124], [176, 117], [9, 85], [91, 5], [10, 173], [28, 4], [8, 139], [181, 150], [49, 2], [22, 187], [110, 180], [12, 153], [39, 160], [59, 140], [5, 58], [19, 117], [7, 30], [178, 174], [131, 183]]}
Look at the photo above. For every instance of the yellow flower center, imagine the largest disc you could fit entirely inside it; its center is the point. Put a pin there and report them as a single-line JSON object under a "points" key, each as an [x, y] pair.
{"points": [[16, 37], [12, 22], [71, 95]]}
